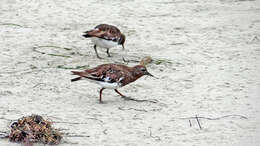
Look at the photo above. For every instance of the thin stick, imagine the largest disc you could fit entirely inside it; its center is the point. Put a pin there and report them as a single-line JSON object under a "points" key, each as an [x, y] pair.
{"points": [[51, 54], [59, 55], [11, 24], [76, 136], [49, 46], [140, 110], [105, 131], [78, 122], [77, 67], [155, 137], [198, 121], [218, 118], [38, 85], [70, 122], [256, 38]]}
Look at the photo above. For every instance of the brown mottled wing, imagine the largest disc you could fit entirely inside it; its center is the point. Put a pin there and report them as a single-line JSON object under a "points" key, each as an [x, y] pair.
{"points": [[106, 27], [106, 73], [105, 31], [119, 73]]}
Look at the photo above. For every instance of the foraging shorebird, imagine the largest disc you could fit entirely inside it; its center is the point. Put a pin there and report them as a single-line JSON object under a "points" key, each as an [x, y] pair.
{"points": [[112, 76], [105, 36]]}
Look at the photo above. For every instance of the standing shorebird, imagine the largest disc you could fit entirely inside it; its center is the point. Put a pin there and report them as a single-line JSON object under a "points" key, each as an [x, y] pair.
{"points": [[112, 76], [105, 36]]}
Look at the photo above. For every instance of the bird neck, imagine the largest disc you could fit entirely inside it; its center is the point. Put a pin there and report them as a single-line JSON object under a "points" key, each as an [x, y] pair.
{"points": [[136, 75]]}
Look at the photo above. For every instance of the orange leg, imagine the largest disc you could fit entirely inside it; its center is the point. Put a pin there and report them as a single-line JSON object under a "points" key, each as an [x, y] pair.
{"points": [[100, 95], [119, 93], [108, 54], [95, 48]]}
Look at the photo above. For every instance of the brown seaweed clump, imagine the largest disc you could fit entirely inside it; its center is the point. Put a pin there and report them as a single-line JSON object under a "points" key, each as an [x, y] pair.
{"points": [[34, 129]]}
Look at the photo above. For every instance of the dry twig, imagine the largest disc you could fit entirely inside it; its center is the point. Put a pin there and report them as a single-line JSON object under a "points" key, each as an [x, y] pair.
{"points": [[105, 131], [76, 135], [190, 123], [198, 121], [11, 24], [218, 118], [155, 137], [140, 110], [83, 123], [51, 54]]}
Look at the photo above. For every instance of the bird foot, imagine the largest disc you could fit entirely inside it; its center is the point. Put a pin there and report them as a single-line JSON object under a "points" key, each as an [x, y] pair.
{"points": [[125, 59], [137, 100], [101, 102], [126, 97], [99, 57]]}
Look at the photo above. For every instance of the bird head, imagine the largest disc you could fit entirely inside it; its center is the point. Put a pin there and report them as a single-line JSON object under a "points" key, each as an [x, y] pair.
{"points": [[141, 70]]}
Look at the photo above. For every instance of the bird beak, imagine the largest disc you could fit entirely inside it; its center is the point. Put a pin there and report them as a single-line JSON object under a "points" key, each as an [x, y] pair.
{"points": [[151, 75], [123, 46]]}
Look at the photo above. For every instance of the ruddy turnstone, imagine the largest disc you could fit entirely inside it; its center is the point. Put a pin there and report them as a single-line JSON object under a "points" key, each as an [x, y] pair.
{"points": [[105, 36], [112, 76]]}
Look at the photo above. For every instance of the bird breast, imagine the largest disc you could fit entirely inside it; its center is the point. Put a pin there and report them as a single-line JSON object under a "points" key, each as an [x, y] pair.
{"points": [[104, 43]]}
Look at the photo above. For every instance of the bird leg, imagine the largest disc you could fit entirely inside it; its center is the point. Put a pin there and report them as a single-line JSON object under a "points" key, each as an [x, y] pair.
{"points": [[137, 100], [108, 53], [95, 48], [120, 93], [100, 95], [126, 61]]}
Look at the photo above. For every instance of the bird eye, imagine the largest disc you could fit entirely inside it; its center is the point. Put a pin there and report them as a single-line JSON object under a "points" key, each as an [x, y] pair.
{"points": [[143, 69]]}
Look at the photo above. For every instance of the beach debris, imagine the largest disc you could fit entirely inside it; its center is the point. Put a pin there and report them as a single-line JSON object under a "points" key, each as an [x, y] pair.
{"points": [[11, 24], [32, 129], [157, 138], [39, 49], [190, 123], [161, 61], [218, 118], [77, 67], [198, 121]]}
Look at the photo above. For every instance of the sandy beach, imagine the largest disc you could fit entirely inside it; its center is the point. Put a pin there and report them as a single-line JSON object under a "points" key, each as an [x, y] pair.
{"points": [[206, 55]]}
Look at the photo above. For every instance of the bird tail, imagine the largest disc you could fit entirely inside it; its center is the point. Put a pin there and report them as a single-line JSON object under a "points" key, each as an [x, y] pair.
{"points": [[75, 79], [77, 73], [86, 34], [80, 74]]}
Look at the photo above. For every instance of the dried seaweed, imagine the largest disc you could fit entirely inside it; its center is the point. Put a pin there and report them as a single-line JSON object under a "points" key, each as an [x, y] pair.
{"points": [[218, 118], [77, 67], [160, 61], [11, 24], [52, 54], [50, 46], [34, 129]]}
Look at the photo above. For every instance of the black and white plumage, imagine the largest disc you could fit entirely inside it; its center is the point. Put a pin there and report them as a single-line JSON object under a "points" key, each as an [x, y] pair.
{"points": [[105, 36]]}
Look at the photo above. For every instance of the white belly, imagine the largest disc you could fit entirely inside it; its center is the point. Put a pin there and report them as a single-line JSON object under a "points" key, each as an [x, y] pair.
{"points": [[103, 43], [109, 85]]}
